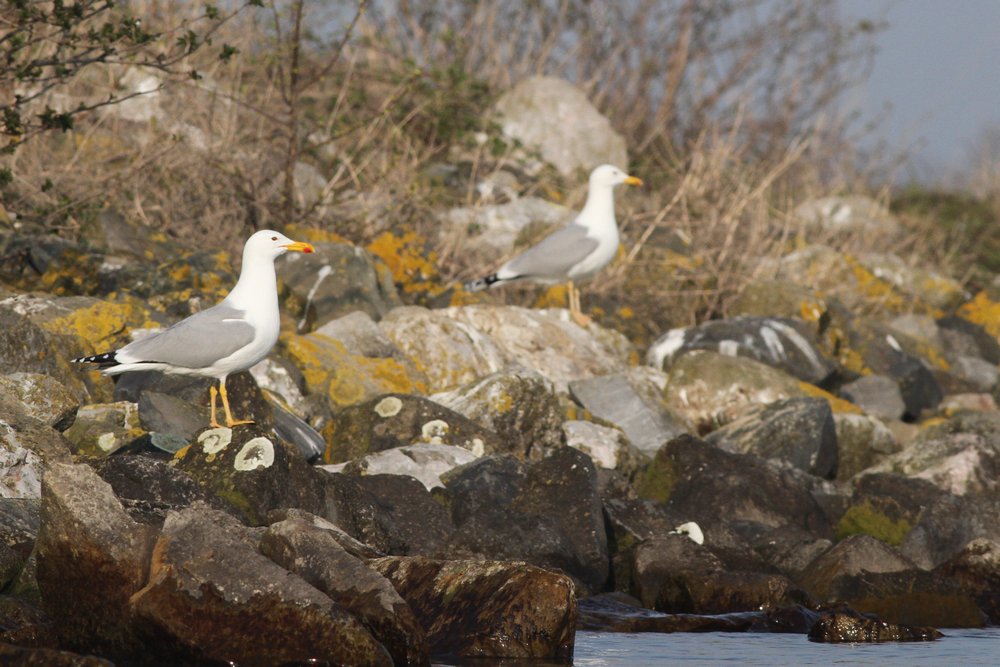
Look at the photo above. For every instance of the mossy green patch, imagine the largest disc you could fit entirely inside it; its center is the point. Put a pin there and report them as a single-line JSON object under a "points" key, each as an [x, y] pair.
{"points": [[657, 481], [864, 519]]}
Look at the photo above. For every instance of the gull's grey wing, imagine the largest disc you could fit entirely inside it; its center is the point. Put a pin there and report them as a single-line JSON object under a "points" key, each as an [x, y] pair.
{"points": [[196, 342], [554, 256]]}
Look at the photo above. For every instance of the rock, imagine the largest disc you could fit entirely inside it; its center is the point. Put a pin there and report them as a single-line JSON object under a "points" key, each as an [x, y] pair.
{"points": [[520, 407], [487, 609], [48, 657], [614, 399], [851, 556], [674, 575], [782, 299], [967, 403], [629, 521], [212, 597], [252, 471], [780, 343], [978, 374], [394, 514], [853, 214], [862, 441], [425, 462], [315, 555], [492, 231], [148, 487], [701, 483], [283, 383], [342, 377], [930, 287], [42, 397], [877, 395], [965, 338], [839, 628], [606, 446], [617, 612], [104, 428], [87, 537], [352, 546], [396, 420], [337, 279], [961, 455], [799, 431], [790, 550], [170, 417], [710, 389], [554, 116], [976, 568], [947, 525], [547, 513], [27, 446], [19, 522]]}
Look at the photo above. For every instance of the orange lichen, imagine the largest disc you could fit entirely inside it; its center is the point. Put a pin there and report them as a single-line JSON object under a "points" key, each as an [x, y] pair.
{"points": [[838, 405], [412, 266], [984, 311]]}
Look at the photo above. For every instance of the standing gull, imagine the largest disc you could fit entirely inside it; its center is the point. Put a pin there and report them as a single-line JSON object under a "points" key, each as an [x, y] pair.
{"points": [[224, 339], [575, 252]]}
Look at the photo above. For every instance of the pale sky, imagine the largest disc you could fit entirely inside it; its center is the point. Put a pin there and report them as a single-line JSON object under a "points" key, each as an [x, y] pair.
{"points": [[938, 69]]}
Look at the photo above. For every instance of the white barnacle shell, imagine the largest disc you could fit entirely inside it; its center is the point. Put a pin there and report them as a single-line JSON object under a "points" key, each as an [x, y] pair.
{"points": [[256, 453], [214, 440], [388, 407], [434, 431]]}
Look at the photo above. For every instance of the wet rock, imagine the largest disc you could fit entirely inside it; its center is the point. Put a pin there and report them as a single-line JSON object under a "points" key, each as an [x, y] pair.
{"points": [[673, 574], [877, 395], [19, 522], [252, 471], [701, 482], [394, 514], [976, 569], [710, 389], [212, 597], [547, 513], [42, 397], [800, 431], [311, 552], [396, 420], [840, 628], [862, 441], [86, 537], [424, 461], [850, 557], [48, 657], [616, 612], [780, 343], [487, 608], [520, 407], [104, 428], [614, 399], [337, 279], [573, 134]]}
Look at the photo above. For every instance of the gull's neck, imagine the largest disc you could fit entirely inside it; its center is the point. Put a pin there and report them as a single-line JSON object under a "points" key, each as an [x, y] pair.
{"points": [[257, 287], [599, 210]]}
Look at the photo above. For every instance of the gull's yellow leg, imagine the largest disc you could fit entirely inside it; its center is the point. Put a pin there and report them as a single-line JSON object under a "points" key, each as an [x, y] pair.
{"points": [[214, 423], [230, 422], [574, 306]]}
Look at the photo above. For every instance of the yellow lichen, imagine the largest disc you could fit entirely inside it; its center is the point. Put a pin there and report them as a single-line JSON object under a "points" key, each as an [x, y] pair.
{"points": [[102, 324], [838, 405], [412, 267], [984, 311], [314, 235]]}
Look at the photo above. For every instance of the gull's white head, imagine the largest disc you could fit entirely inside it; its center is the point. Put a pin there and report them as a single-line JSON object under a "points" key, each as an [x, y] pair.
{"points": [[608, 175], [268, 244]]}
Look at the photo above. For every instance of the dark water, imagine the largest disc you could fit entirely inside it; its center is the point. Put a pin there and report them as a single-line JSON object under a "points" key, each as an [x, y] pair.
{"points": [[599, 649]]}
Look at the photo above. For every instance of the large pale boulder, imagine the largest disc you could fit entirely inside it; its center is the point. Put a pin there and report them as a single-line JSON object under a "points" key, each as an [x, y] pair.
{"points": [[554, 116]]}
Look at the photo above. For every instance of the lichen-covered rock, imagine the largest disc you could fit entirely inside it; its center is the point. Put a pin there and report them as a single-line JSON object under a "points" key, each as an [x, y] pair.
{"points": [[87, 537], [396, 420], [519, 406], [337, 279], [613, 398], [547, 513], [424, 461], [782, 299], [934, 289], [41, 396], [965, 338], [314, 554], [487, 609], [840, 628], [343, 377], [782, 343], [554, 116], [212, 597], [711, 389], [800, 431], [701, 483], [976, 568], [490, 232], [104, 428], [27, 446], [252, 471]]}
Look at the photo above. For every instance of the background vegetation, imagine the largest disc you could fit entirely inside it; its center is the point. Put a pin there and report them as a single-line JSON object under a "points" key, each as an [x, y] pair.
{"points": [[208, 121]]}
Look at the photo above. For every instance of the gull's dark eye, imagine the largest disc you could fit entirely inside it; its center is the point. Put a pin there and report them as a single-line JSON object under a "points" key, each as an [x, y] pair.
{"points": [[274, 238]]}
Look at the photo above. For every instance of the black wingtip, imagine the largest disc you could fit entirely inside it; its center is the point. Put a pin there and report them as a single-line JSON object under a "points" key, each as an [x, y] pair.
{"points": [[105, 359], [481, 283]]}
